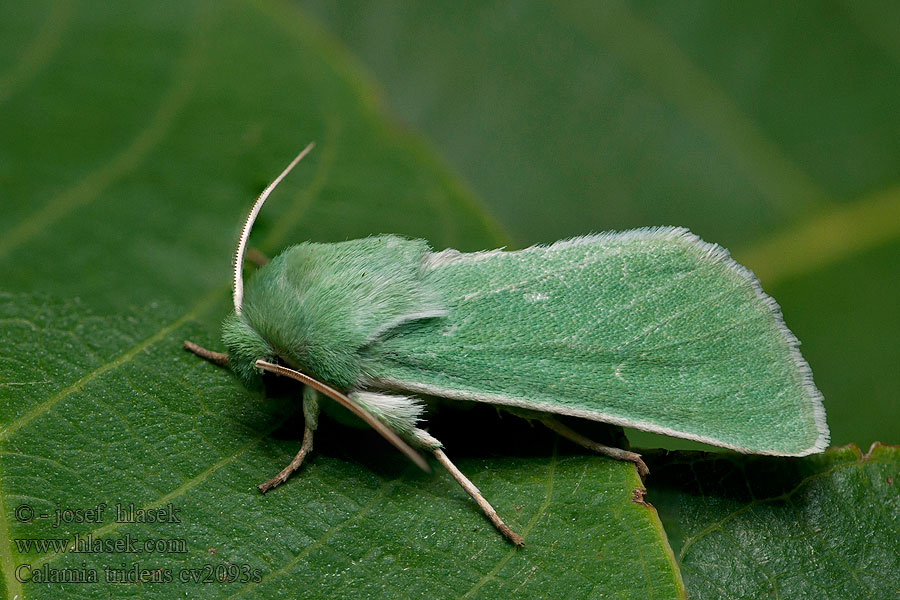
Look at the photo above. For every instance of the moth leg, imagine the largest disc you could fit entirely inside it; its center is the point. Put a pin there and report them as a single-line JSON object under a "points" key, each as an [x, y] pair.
{"points": [[219, 358], [256, 256], [488, 510], [590, 444], [311, 416]]}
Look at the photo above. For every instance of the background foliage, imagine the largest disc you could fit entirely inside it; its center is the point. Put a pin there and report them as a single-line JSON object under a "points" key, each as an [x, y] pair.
{"points": [[133, 137]]}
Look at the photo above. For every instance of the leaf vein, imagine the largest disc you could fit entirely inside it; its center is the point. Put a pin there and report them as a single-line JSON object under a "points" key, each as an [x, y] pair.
{"points": [[385, 487], [650, 52], [126, 160], [551, 472], [122, 359], [39, 52]]}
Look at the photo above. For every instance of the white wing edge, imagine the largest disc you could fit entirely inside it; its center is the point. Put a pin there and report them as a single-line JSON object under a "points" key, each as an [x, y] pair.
{"points": [[389, 384]]}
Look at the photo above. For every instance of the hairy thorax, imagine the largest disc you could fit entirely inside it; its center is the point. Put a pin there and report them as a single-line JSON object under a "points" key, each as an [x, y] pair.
{"points": [[315, 307]]}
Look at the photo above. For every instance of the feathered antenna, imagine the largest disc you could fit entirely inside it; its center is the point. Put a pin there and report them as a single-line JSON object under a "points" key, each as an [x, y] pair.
{"points": [[238, 293]]}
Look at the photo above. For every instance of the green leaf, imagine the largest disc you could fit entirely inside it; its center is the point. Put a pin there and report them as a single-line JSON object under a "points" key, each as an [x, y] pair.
{"points": [[117, 413], [826, 526]]}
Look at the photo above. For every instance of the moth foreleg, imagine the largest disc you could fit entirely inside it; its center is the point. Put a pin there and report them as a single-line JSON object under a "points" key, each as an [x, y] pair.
{"points": [[586, 442], [311, 418], [485, 506]]}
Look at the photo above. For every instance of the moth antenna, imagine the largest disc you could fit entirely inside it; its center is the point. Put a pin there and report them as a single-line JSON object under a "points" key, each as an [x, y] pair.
{"points": [[238, 287], [344, 401]]}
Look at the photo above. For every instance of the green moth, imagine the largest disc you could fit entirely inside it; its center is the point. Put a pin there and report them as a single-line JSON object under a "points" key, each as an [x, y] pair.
{"points": [[652, 329]]}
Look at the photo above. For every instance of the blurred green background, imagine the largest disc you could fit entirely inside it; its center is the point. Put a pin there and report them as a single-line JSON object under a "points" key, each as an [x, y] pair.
{"points": [[771, 129]]}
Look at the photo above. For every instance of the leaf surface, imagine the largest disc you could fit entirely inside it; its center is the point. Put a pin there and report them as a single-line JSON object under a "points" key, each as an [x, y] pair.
{"points": [[116, 414], [824, 526]]}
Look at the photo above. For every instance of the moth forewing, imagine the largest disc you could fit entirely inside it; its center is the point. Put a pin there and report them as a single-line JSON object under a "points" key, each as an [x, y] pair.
{"points": [[651, 329]]}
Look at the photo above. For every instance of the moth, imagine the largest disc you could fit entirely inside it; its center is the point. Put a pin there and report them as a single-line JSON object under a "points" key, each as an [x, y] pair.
{"points": [[652, 329]]}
